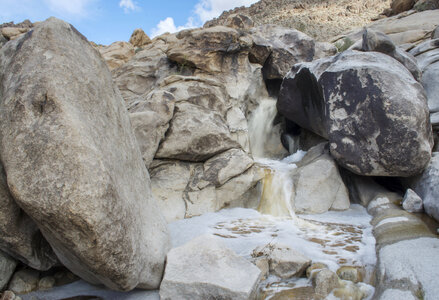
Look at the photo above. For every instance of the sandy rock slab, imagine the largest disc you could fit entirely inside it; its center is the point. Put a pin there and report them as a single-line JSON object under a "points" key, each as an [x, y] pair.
{"points": [[205, 269]]}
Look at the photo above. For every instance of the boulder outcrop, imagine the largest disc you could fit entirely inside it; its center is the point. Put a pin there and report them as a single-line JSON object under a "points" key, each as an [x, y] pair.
{"points": [[369, 107], [117, 53], [72, 161], [139, 38]]}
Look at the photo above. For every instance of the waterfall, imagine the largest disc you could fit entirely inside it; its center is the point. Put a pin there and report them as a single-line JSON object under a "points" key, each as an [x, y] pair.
{"points": [[264, 135], [266, 147]]}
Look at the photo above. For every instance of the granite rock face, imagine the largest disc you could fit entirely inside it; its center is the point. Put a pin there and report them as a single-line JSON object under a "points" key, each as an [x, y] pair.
{"points": [[72, 161]]}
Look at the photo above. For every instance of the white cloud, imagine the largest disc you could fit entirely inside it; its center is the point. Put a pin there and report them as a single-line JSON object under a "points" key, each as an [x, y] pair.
{"points": [[209, 9], [168, 25], [77, 8], [204, 10], [128, 5]]}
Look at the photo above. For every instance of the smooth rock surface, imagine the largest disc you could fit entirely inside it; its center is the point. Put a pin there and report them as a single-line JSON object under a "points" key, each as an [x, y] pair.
{"points": [[72, 161], [369, 107], [318, 184], [412, 202], [435, 33], [410, 266], [205, 269]]}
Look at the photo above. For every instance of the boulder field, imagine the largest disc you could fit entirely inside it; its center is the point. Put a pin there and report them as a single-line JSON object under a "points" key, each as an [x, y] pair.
{"points": [[101, 147]]}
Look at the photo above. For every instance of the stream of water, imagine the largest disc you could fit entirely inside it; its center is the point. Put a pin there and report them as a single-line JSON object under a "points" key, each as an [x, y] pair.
{"points": [[333, 238]]}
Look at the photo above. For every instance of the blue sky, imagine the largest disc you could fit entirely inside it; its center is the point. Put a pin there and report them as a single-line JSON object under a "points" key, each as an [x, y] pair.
{"points": [[106, 21]]}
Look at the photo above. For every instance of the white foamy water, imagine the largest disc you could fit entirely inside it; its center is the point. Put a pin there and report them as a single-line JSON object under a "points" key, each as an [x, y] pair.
{"points": [[264, 135]]}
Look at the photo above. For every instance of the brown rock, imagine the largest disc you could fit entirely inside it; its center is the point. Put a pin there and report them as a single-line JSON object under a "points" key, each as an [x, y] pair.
{"points": [[139, 38]]}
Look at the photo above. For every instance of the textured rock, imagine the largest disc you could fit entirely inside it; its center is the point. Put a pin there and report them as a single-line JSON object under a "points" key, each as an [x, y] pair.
{"points": [[239, 21], [324, 282], [435, 33], [399, 6], [205, 269], [422, 5], [7, 268], [46, 283], [412, 202], [72, 161], [426, 186], [318, 185], [195, 134], [150, 117], [323, 49], [369, 107], [141, 74], [350, 273], [117, 54], [3, 40], [283, 48], [19, 235], [409, 266], [24, 281], [427, 55], [283, 261], [12, 33], [139, 38], [379, 42], [402, 29], [221, 168]]}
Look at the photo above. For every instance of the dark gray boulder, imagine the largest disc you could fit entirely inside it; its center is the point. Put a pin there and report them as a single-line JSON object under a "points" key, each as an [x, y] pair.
{"points": [[369, 107]]}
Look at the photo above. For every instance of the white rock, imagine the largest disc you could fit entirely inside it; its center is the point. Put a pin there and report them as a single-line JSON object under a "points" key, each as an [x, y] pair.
{"points": [[318, 185], [205, 269], [24, 281], [412, 202]]}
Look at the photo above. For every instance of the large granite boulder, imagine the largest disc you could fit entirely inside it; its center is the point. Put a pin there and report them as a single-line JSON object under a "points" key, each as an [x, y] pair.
{"points": [[205, 269], [277, 49], [369, 107], [72, 161], [427, 56]]}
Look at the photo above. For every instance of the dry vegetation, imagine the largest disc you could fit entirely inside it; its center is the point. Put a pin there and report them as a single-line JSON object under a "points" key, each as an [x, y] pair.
{"points": [[321, 19]]}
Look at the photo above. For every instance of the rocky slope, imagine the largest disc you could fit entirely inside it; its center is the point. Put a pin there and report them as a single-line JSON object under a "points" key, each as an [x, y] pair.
{"points": [[319, 19]]}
